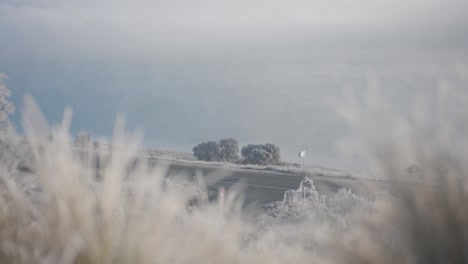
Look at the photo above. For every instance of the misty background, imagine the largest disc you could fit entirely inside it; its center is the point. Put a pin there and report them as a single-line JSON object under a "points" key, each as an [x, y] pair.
{"points": [[258, 71]]}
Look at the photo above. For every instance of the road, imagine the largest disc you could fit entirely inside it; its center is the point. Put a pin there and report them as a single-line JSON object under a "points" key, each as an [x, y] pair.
{"points": [[260, 187]]}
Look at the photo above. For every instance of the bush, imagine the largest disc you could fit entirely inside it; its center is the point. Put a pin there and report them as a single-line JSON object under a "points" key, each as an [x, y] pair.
{"points": [[229, 149], [226, 150], [268, 154], [207, 151]]}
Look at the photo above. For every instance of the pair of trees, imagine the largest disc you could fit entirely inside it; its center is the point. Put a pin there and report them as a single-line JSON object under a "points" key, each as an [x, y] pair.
{"points": [[228, 150]]}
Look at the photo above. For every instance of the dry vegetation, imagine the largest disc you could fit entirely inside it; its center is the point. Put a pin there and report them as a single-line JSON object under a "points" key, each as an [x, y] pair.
{"points": [[58, 211]]}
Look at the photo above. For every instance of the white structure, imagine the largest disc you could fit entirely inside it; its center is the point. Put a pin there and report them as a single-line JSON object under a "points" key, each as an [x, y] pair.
{"points": [[302, 155]]}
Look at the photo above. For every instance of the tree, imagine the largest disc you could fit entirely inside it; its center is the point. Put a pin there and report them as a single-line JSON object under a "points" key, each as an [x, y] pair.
{"points": [[268, 154], [229, 150], [207, 151], [6, 108]]}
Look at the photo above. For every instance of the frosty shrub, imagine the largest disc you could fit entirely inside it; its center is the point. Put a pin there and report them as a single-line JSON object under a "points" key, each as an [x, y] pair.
{"points": [[314, 223], [429, 220], [229, 150], [6, 108], [14, 154], [207, 151], [268, 154], [226, 150], [61, 213]]}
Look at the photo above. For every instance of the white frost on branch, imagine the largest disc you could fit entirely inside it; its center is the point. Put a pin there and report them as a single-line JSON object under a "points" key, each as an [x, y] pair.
{"points": [[6, 107]]}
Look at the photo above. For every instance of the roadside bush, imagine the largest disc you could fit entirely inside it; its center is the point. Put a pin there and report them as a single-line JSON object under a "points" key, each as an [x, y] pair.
{"points": [[268, 154], [229, 149], [207, 151], [226, 150]]}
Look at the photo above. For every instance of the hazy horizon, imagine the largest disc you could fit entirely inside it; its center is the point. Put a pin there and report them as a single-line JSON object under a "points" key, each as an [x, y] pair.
{"points": [[258, 71]]}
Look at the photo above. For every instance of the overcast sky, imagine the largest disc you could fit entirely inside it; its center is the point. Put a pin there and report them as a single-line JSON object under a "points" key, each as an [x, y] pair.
{"points": [[257, 70], [144, 28]]}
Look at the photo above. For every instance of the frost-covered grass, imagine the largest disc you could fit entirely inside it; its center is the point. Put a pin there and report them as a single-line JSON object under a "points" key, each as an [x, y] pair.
{"points": [[60, 211], [55, 208]]}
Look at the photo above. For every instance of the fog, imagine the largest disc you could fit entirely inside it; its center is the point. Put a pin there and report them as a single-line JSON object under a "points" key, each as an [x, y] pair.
{"points": [[259, 71], [149, 29]]}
